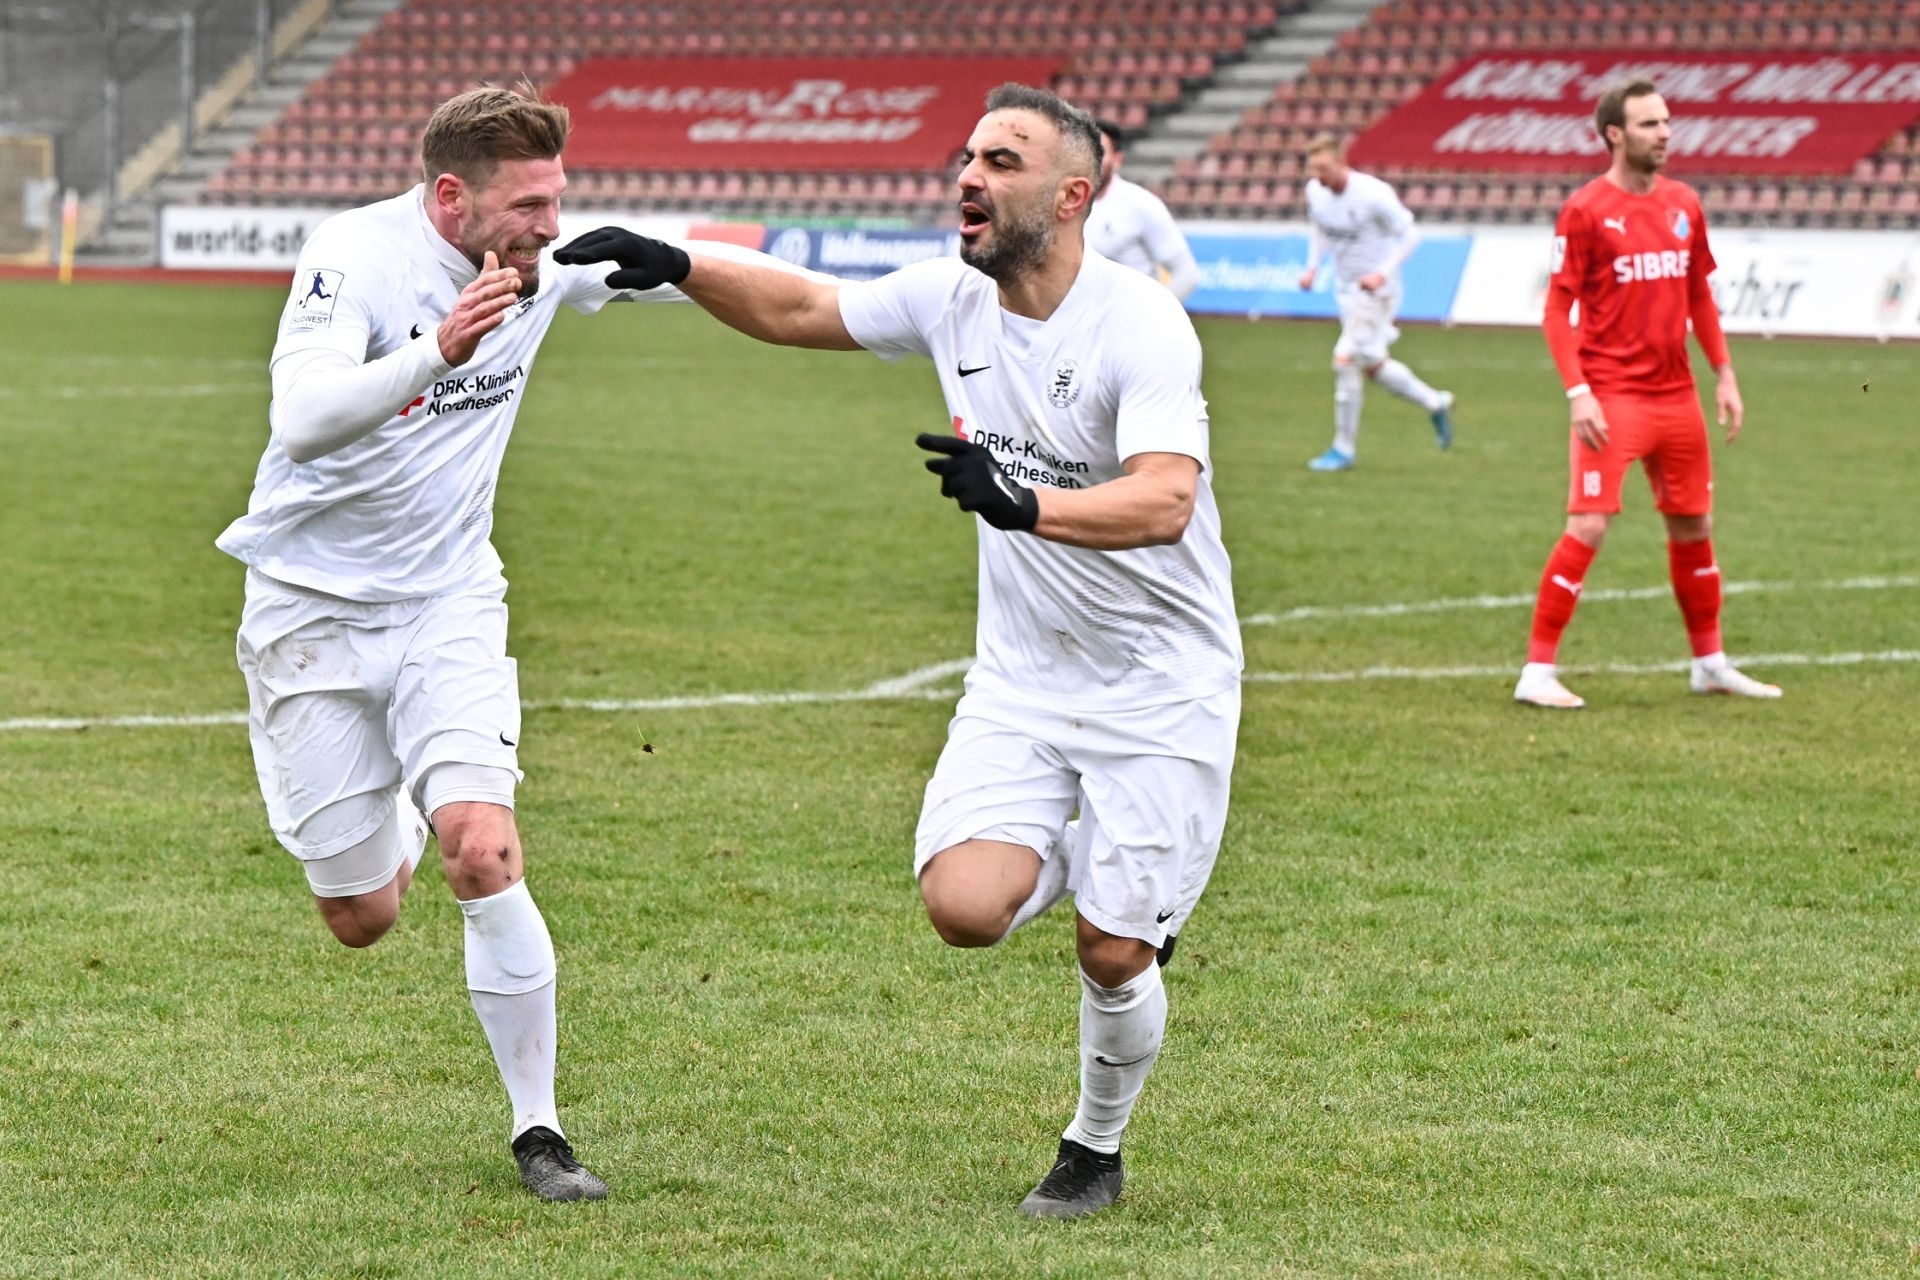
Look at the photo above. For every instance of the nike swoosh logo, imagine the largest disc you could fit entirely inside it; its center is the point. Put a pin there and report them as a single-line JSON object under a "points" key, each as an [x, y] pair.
{"points": [[505, 741], [1006, 486], [1165, 916], [1108, 1062], [968, 373], [415, 333]]}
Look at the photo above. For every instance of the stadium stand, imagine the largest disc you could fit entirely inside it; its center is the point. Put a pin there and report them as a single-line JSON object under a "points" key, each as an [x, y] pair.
{"points": [[1255, 168], [354, 135]]}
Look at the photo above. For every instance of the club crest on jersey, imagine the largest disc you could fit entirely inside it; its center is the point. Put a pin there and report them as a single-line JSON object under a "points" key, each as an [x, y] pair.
{"points": [[1682, 227], [1065, 388]]}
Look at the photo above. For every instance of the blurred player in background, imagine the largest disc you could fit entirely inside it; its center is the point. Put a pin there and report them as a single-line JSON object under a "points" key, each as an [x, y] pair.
{"points": [[1132, 226], [374, 632], [1107, 676], [1359, 220], [1630, 248]]}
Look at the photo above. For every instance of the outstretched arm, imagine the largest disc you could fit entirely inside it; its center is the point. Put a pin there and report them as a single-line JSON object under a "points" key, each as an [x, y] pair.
{"points": [[772, 303]]}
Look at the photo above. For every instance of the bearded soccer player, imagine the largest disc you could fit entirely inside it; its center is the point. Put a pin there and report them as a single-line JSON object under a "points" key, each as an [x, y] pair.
{"points": [[1107, 676], [1631, 249], [373, 636]]}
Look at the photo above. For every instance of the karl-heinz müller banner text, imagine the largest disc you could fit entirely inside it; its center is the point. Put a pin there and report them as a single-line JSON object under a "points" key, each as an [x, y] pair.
{"points": [[794, 114], [1761, 112]]}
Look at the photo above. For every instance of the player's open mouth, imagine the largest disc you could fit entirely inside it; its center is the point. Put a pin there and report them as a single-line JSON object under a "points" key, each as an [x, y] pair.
{"points": [[973, 219], [525, 257]]}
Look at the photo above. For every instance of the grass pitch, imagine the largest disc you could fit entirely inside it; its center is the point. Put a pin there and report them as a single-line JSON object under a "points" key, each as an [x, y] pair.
{"points": [[1476, 990]]}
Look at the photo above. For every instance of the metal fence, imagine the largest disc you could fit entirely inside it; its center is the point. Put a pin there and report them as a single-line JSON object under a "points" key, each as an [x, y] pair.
{"points": [[102, 77]]}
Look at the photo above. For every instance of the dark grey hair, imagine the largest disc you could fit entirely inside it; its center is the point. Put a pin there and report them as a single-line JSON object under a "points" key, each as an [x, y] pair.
{"points": [[1076, 127]]}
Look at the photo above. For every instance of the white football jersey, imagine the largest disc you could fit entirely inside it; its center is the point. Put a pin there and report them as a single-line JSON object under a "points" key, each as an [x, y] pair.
{"points": [[405, 511], [1362, 226], [1131, 225], [1114, 372]]}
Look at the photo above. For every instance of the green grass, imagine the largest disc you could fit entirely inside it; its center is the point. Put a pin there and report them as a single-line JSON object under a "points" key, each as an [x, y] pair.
{"points": [[1474, 992]]}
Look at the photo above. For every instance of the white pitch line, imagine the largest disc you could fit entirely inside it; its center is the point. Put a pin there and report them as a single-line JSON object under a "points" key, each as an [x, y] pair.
{"points": [[1454, 604], [921, 686], [1753, 663]]}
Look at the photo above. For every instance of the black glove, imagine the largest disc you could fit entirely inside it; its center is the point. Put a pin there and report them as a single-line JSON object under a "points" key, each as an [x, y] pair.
{"points": [[969, 475], [644, 263]]}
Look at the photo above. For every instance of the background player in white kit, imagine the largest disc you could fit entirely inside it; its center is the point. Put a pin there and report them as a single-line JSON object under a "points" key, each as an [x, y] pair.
{"points": [[1107, 675], [1132, 225], [1359, 220], [373, 638]]}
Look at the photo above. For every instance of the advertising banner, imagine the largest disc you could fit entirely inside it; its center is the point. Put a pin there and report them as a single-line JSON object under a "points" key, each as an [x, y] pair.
{"points": [[209, 237], [1760, 112], [1841, 284], [857, 255], [781, 114], [1255, 271]]}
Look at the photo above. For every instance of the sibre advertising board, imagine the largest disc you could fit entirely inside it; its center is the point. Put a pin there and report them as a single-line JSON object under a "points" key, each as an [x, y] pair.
{"points": [[1758, 112], [780, 114], [1817, 283]]}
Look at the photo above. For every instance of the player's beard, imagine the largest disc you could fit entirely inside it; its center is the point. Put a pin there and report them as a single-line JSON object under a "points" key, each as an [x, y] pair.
{"points": [[1645, 161], [1021, 242]]}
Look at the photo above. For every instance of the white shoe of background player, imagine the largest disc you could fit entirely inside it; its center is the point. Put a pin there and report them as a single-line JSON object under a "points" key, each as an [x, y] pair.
{"points": [[1709, 676], [1540, 687]]}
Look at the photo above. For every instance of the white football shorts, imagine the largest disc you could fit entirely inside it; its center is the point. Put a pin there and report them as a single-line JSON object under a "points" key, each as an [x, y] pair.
{"points": [[1150, 786], [1366, 322], [347, 700]]}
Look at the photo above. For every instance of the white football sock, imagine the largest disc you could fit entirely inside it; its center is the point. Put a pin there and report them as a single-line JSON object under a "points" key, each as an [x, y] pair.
{"points": [[1049, 888], [1349, 389], [1120, 1032], [510, 975], [1403, 382]]}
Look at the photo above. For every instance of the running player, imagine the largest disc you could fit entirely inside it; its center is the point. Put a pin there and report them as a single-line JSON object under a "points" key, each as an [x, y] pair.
{"points": [[1107, 676], [1359, 220], [1131, 225], [1631, 249], [373, 637]]}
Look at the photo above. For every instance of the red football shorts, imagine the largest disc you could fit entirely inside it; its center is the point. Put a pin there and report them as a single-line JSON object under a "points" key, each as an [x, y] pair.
{"points": [[1667, 434]]}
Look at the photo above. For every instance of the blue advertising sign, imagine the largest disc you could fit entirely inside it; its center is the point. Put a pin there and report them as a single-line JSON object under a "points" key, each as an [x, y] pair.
{"points": [[857, 255], [1257, 273]]}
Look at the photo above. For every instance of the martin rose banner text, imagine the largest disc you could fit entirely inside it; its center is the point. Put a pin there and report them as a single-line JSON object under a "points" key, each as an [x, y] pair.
{"points": [[794, 114]]}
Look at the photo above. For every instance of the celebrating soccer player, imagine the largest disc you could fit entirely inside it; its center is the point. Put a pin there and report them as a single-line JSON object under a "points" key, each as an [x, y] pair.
{"points": [[373, 638], [1132, 226], [1107, 675], [1359, 219], [1631, 249]]}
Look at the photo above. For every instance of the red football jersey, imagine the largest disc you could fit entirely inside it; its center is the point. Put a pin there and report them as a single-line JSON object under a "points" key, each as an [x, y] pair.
{"points": [[1630, 260]]}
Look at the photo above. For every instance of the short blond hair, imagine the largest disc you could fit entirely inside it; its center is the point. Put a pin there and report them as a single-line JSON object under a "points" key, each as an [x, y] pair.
{"points": [[470, 134], [1322, 143]]}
